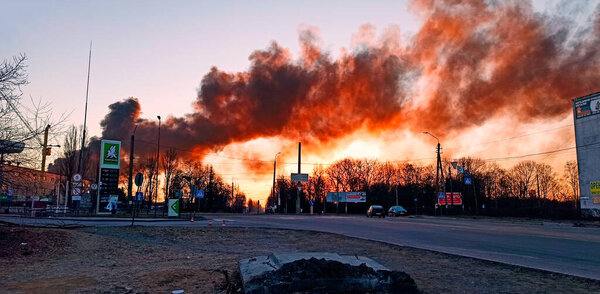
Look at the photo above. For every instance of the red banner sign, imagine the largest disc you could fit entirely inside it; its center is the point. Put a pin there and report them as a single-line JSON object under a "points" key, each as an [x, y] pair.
{"points": [[457, 197]]}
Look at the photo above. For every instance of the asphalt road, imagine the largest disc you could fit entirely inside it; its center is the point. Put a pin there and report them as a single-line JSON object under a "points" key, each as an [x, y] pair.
{"points": [[557, 247]]}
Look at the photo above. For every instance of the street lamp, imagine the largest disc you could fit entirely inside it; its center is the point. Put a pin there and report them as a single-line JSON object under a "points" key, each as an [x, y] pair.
{"points": [[273, 191], [439, 166], [157, 163]]}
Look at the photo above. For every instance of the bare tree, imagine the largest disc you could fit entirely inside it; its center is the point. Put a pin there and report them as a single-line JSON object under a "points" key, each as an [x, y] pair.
{"points": [[317, 184], [571, 175], [524, 175], [169, 162], [20, 124]]}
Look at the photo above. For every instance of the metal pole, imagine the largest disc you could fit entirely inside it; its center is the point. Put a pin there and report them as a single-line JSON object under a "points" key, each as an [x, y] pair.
{"points": [[130, 184], [157, 164], [79, 167], [451, 189], [475, 196], [273, 191], [134, 207], [298, 188], [44, 154]]}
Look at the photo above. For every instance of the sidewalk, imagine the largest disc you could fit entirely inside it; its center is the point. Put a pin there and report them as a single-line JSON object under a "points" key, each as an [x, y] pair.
{"points": [[100, 218]]}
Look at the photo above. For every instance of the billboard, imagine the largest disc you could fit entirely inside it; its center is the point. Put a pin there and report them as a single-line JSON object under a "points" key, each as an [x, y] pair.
{"points": [[354, 197], [587, 142], [457, 197]]}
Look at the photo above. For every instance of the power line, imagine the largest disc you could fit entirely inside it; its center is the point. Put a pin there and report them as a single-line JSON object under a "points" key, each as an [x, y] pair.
{"points": [[510, 138]]}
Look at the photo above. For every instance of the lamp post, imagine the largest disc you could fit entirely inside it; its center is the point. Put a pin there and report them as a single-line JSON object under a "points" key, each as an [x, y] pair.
{"points": [[273, 190], [439, 167], [157, 164]]}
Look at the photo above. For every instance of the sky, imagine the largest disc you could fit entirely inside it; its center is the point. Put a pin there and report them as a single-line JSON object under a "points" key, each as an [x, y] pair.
{"points": [[159, 52]]}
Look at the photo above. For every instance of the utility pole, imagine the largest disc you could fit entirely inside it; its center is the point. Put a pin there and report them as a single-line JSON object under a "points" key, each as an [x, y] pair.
{"points": [[298, 189], [45, 150], [130, 184], [44, 154], [451, 189], [439, 169], [79, 167], [273, 189], [396, 195]]}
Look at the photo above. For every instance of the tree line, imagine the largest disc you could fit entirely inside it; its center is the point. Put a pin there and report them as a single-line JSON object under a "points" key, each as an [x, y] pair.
{"points": [[528, 188]]}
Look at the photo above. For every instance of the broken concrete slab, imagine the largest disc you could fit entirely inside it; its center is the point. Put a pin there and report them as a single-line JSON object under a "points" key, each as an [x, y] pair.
{"points": [[320, 272]]}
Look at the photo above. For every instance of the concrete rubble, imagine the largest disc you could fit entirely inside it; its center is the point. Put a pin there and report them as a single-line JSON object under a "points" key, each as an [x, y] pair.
{"points": [[320, 272]]}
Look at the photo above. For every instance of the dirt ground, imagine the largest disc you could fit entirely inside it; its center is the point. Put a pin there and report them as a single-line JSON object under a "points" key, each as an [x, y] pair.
{"points": [[204, 260]]}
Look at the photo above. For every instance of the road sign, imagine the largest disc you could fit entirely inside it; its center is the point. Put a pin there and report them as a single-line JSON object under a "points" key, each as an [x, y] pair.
{"points": [[454, 163], [200, 194], [76, 198], [173, 207], [460, 169], [467, 173], [311, 202], [10, 192], [299, 177], [76, 191], [139, 196], [94, 186], [139, 179], [76, 184], [76, 177], [468, 181]]}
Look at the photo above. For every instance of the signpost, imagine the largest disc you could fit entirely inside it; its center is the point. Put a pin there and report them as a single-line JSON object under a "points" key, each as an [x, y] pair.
{"points": [[173, 207], [139, 196], [200, 194], [299, 177], [468, 181], [416, 200], [110, 158]]}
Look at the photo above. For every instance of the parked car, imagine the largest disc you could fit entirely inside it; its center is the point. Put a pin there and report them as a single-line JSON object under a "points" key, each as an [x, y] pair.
{"points": [[397, 211], [376, 210]]}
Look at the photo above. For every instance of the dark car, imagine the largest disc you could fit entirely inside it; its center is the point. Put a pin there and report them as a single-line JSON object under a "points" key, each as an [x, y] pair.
{"points": [[397, 211], [376, 210]]}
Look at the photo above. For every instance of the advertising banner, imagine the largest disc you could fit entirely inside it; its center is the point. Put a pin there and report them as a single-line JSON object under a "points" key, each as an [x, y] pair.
{"points": [[587, 140], [595, 188], [586, 107], [354, 197], [442, 199]]}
